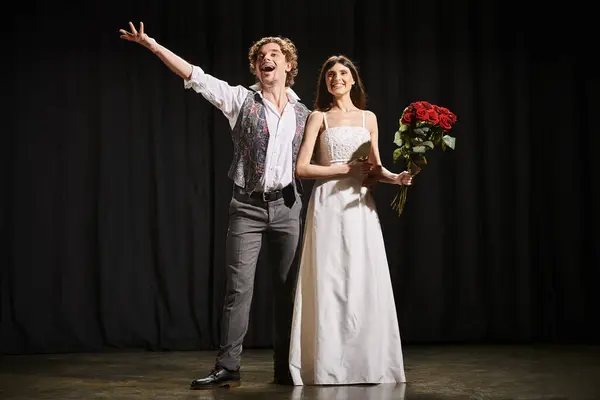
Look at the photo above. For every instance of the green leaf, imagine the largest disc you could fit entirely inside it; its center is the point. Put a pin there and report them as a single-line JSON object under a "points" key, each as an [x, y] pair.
{"points": [[398, 139], [449, 140], [419, 131], [397, 154], [403, 127], [419, 149], [428, 143]]}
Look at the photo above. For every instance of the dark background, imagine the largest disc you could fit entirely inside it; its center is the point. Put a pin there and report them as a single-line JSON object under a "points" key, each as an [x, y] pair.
{"points": [[115, 188]]}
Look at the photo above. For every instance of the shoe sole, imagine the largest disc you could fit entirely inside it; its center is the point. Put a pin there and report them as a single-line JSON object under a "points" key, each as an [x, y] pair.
{"points": [[230, 384]]}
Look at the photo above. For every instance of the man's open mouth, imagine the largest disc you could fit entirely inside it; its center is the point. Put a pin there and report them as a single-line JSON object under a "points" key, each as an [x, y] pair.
{"points": [[267, 68]]}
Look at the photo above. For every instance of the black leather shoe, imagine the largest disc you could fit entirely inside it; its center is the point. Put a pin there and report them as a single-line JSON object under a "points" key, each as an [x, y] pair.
{"points": [[287, 381], [219, 377], [283, 378]]}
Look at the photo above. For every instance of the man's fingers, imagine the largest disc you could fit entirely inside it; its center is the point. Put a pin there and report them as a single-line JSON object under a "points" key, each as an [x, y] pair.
{"points": [[133, 30], [141, 28]]}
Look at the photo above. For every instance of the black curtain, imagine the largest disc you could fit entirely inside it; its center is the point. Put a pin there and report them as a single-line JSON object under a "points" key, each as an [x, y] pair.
{"points": [[115, 188]]}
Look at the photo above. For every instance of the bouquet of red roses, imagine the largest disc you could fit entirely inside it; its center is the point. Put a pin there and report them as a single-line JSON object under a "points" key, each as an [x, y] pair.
{"points": [[423, 126]]}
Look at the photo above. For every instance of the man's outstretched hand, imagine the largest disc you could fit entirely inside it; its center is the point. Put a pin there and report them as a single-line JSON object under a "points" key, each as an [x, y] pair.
{"points": [[138, 37]]}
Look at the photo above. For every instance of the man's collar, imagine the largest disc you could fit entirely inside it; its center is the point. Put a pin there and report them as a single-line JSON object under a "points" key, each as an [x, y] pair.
{"points": [[292, 96]]}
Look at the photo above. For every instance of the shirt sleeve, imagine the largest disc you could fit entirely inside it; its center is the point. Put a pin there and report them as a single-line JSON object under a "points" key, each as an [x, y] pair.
{"points": [[229, 99]]}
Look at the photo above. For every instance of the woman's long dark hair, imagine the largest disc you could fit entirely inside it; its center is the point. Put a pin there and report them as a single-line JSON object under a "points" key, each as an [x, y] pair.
{"points": [[324, 99]]}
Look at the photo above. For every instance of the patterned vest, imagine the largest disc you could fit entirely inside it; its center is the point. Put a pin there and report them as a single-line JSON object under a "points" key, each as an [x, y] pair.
{"points": [[250, 137]]}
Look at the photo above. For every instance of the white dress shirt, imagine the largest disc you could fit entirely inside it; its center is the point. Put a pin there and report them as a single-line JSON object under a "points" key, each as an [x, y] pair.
{"points": [[282, 128]]}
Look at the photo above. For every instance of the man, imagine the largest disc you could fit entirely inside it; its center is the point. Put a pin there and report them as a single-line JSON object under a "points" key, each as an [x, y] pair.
{"points": [[267, 123]]}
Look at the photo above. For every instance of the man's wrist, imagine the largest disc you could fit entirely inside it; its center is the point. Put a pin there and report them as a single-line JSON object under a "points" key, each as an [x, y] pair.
{"points": [[153, 45]]}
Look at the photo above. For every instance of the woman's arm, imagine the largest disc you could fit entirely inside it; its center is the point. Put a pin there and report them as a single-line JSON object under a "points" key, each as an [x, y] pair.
{"points": [[306, 170], [379, 172]]}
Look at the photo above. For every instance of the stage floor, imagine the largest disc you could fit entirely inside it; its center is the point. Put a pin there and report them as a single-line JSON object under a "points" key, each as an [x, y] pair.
{"points": [[433, 372]]}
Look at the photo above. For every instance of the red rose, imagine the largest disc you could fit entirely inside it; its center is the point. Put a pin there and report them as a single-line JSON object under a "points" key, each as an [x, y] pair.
{"points": [[445, 122], [424, 104], [432, 116], [451, 117], [421, 113], [407, 118]]}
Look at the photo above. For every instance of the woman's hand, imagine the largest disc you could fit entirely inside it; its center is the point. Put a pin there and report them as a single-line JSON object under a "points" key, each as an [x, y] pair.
{"points": [[404, 178], [359, 169]]}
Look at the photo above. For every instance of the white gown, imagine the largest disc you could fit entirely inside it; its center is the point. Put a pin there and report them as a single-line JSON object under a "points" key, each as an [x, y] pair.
{"points": [[345, 327]]}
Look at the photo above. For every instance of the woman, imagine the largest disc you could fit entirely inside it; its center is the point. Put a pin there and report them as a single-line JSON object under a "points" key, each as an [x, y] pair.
{"points": [[345, 328]]}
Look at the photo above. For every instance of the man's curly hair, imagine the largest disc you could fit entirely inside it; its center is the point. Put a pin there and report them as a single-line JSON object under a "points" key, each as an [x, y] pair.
{"points": [[288, 48]]}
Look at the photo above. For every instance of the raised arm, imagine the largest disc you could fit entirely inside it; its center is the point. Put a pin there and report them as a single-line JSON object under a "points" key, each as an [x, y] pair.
{"points": [[171, 60], [229, 99], [379, 172], [306, 170]]}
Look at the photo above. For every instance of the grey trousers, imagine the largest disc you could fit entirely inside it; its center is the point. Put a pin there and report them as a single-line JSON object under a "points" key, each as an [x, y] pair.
{"points": [[279, 223]]}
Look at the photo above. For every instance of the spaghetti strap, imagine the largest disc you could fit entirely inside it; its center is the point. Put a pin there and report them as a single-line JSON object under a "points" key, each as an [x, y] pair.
{"points": [[364, 121], [325, 120]]}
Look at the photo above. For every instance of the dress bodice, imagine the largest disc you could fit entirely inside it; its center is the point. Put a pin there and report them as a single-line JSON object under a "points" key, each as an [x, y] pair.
{"points": [[344, 143]]}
